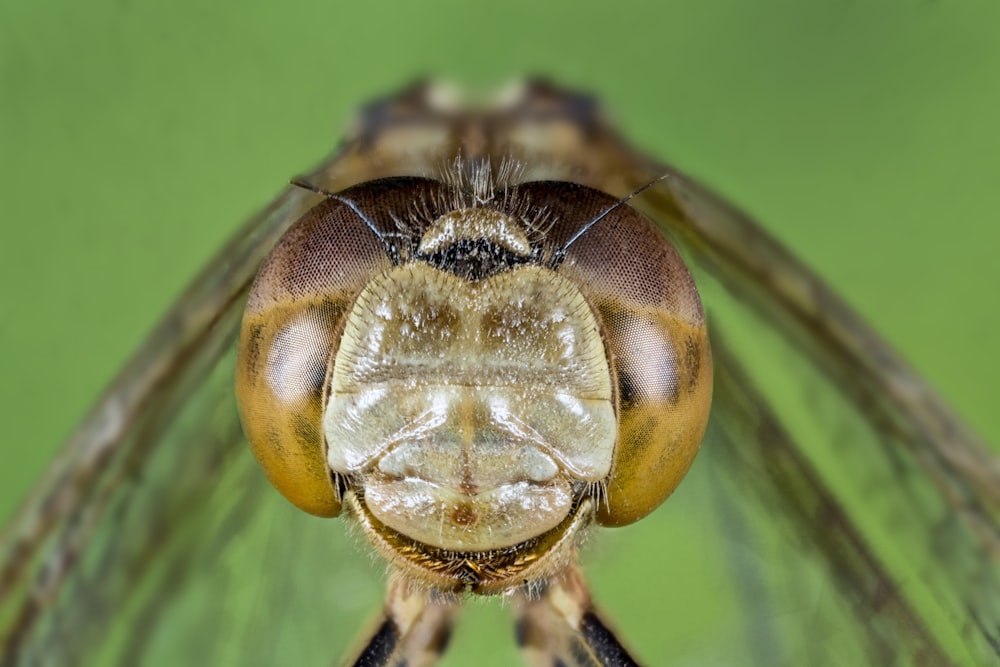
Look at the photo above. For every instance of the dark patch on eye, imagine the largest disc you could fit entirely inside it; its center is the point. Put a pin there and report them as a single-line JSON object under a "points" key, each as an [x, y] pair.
{"points": [[692, 361], [316, 377], [629, 391], [273, 437], [305, 430], [254, 338], [476, 259], [332, 309]]}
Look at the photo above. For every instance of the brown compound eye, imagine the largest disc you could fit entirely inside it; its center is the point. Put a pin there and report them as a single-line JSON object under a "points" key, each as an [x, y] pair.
{"points": [[291, 325], [656, 340], [645, 308]]}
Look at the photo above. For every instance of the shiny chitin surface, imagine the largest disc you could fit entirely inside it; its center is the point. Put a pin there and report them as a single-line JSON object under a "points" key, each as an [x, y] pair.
{"points": [[472, 359]]}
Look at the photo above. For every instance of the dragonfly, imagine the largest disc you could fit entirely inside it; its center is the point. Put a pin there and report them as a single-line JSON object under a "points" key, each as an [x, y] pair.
{"points": [[837, 513]]}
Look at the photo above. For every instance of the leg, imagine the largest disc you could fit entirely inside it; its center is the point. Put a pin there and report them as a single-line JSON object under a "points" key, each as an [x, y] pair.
{"points": [[562, 628], [413, 629]]}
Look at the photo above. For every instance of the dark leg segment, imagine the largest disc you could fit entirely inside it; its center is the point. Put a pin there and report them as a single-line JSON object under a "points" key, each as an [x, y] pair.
{"points": [[561, 628], [413, 630]]}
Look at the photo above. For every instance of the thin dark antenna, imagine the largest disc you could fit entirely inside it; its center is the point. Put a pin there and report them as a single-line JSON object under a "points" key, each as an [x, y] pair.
{"points": [[390, 248], [559, 255]]}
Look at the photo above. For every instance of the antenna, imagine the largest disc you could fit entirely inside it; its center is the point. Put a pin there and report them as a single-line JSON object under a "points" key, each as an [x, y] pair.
{"points": [[560, 254], [388, 246]]}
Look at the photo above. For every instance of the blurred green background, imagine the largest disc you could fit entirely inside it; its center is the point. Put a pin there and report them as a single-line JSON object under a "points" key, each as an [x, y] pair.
{"points": [[135, 137]]}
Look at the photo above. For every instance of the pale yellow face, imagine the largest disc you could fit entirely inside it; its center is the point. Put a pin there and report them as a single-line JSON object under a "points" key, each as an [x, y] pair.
{"points": [[470, 409], [470, 378]]}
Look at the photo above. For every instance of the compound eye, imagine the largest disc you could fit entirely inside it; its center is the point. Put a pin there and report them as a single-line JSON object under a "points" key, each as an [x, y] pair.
{"points": [[656, 340], [290, 330]]}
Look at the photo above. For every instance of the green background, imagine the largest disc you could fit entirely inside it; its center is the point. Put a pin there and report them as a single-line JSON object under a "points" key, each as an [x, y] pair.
{"points": [[135, 137]]}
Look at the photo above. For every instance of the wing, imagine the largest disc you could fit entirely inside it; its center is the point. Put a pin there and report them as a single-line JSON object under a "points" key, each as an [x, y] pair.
{"points": [[872, 475], [153, 538], [152, 513], [839, 513], [835, 463]]}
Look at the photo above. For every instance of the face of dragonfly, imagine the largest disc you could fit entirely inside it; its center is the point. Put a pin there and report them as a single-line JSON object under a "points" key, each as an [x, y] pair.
{"points": [[474, 370], [839, 514]]}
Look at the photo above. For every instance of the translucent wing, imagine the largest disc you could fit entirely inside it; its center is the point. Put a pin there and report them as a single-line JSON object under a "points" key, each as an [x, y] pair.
{"points": [[838, 515], [838, 463], [152, 526]]}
